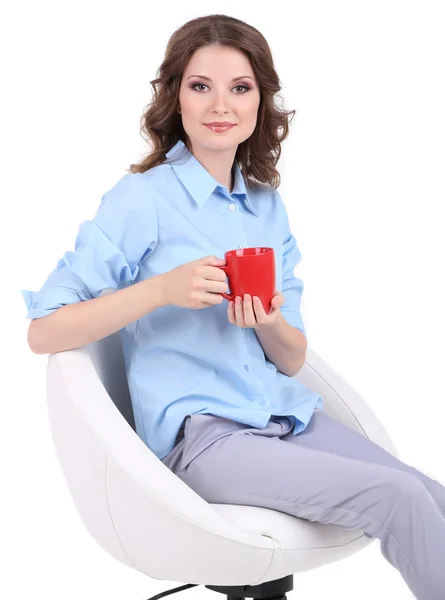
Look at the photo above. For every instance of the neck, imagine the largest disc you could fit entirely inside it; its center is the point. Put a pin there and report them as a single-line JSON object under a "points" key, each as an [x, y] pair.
{"points": [[218, 163]]}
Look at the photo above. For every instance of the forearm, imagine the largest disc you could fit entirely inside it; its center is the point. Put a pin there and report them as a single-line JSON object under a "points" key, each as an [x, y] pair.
{"points": [[82, 323], [284, 345]]}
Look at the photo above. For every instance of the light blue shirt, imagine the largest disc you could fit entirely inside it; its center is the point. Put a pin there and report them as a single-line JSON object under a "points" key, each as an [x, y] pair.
{"points": [[182, 361]]}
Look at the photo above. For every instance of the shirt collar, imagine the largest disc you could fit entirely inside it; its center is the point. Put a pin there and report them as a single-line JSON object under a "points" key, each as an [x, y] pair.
{"points": [[198, 181]]}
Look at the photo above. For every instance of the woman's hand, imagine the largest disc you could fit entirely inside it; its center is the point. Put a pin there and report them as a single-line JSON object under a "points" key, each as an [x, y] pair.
{"points": [[250, 312]]}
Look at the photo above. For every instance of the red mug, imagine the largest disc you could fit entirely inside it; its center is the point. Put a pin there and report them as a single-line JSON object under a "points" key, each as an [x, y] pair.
{"points": [[251, 271]]}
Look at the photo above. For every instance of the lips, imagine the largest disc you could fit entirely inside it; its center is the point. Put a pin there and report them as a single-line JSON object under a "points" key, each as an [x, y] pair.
{"points": [[218, 127]]}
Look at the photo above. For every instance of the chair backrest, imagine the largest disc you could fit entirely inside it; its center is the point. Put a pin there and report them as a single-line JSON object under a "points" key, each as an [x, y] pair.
{"points": [[108, 359]]}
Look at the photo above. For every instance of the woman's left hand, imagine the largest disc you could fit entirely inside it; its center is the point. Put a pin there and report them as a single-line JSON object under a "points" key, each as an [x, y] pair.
{"points": [[250, 312]]}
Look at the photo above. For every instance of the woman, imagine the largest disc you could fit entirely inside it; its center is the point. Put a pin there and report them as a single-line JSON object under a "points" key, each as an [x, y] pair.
{"points": [[213, 390]]}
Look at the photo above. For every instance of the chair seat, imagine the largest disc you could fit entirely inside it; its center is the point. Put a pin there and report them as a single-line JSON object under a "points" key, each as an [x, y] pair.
{"points": [[299, 544]]}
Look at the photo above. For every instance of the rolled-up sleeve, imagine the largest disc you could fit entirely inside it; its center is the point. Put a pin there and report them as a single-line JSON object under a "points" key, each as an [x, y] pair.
{"points": [[108, 249], [292, 287]]}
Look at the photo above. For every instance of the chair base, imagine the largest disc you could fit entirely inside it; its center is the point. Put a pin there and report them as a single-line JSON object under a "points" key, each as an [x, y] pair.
{"points": [[269, 590]]}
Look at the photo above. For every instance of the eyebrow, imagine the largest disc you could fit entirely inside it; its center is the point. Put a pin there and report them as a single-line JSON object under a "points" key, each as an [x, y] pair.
{"points": [[234, 79]]}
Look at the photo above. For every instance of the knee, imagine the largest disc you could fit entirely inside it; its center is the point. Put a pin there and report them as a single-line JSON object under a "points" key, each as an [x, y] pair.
{"points": [[402, 486]]}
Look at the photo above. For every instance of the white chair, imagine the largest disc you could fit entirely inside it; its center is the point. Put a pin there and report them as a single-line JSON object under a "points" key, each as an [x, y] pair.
{"points": [[150, 520]]}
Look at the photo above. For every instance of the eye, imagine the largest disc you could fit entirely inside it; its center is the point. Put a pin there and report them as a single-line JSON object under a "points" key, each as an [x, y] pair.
{"points": [[201, 84], [245, 87]]}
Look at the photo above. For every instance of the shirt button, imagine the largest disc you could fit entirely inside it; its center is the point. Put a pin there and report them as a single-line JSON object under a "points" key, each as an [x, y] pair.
{"points": [[262, 402], [241, 246], [246, 367], [232, 207], [34, 305]]}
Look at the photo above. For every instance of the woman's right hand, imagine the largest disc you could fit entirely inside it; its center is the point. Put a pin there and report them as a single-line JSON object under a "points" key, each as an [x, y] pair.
{"points": [[196, 284]]}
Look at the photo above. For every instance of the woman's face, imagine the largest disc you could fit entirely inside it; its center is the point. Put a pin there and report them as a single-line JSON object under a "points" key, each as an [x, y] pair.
{"points": [[229, 95]]}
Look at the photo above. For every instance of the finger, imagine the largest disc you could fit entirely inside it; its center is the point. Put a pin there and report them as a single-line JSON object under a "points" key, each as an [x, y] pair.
{"points": [[279, 300], [262, 315], [259, 310], [239, 311], [231, 312], [266, 317], [249, 316], [276, 301]]}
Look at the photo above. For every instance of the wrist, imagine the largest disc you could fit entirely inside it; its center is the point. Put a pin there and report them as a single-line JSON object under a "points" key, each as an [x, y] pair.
{"points": [[159, 290]]}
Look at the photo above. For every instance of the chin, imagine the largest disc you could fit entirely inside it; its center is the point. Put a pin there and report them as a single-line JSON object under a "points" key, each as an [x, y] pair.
{"points": [[216, 143]]}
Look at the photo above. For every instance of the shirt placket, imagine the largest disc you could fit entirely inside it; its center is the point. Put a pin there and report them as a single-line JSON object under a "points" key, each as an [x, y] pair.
{"points": [[239, 240]]}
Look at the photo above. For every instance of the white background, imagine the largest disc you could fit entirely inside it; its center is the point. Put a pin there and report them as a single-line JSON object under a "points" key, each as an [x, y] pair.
{"points": [[362, 179]]}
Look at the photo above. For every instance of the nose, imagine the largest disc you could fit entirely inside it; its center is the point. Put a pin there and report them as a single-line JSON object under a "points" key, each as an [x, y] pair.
{"points": [[220, 102]]}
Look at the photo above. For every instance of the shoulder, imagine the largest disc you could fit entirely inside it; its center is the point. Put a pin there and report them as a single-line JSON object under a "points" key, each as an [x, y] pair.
{"points": [[265, 192], [268, 199], [135, 190], [129, 200], [279, 206], [143, 184], [130, 183], [260, 189]]}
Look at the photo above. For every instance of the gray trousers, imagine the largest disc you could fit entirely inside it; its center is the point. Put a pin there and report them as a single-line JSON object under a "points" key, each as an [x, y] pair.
{"points": [[328, 473]]}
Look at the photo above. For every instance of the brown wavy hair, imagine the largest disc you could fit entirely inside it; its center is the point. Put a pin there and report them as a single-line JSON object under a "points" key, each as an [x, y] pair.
{"points": [[161, 124]]}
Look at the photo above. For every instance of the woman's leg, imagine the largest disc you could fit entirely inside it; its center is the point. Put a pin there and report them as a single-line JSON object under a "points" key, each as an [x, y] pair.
{"points": [[329, 434], [322, 486]]}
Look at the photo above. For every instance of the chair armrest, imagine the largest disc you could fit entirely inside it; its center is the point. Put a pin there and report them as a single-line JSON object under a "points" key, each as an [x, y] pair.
{"points": [[341, 401]]}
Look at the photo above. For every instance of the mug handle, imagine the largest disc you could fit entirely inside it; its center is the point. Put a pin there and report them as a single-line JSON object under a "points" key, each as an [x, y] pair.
{"points": [[229, 297]]}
